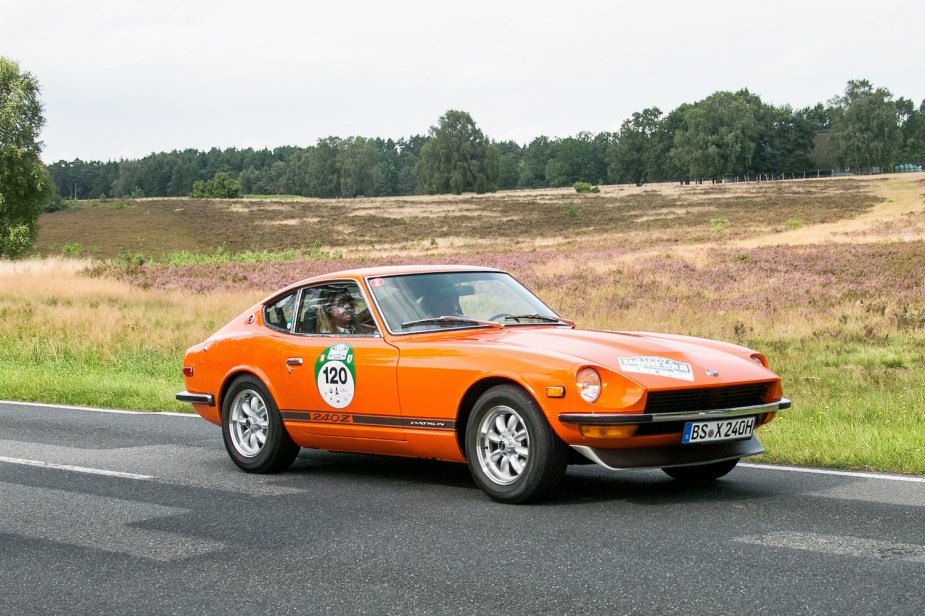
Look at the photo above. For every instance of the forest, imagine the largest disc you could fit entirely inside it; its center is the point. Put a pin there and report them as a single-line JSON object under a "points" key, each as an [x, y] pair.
{"points": [[724, 136]]}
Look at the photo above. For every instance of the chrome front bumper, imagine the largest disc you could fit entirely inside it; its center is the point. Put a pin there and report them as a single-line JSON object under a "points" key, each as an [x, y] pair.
{"points": [[671, 455], [623, 419]]}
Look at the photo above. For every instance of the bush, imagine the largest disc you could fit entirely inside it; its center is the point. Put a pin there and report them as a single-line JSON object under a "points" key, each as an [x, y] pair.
{"points": [[57, 204], [221, 186], [17, 242], [719, 225], [72, 249], [585, 187]]}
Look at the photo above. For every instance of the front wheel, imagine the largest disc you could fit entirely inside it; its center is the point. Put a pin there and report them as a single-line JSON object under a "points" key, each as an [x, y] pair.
{"points": [[701, 472], [253, 429], [513, 454]]}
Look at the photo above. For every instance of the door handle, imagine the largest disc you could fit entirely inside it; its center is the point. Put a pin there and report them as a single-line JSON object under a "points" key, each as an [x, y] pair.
{"points": [[294, 361]]}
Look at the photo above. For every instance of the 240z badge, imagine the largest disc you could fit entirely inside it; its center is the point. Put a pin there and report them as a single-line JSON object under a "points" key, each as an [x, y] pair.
{"points": [[335, 375]]}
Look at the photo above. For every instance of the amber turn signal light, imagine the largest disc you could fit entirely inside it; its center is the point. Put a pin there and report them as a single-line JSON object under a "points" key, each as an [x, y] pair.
{"points": [[608, 431]]}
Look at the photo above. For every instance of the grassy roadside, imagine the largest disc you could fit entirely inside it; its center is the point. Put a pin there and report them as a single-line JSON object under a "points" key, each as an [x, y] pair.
{"points": [[71, 339], [859, 403]]}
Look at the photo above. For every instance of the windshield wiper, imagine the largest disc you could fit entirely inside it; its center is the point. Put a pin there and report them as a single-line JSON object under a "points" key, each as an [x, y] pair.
{"points": [[450, 319], [539, 317]]}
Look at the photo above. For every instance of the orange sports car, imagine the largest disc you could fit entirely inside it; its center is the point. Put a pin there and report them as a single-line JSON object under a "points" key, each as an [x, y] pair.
{"points": [[465, 364]]}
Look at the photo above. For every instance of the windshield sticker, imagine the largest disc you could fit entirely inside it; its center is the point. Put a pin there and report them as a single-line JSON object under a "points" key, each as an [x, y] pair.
{"points": [[376, 283], [335, 376], [658, 366]]}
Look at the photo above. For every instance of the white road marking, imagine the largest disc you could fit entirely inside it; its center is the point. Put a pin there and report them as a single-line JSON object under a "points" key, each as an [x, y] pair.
{"points": [[197, 467], [76, 469], [823, 471], [94, 410], [839, 545]]}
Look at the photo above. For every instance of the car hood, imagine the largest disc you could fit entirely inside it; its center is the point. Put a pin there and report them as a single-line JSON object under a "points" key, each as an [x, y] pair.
{"points": [[655, 361]]}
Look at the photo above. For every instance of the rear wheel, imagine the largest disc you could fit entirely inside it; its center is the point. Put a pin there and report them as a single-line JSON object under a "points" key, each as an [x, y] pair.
{"points": [[253, 429], [513, 454], [701, 472]]}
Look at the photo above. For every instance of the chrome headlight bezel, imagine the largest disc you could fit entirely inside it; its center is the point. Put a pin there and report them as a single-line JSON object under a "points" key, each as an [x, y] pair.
{"points": [[588, 384]]}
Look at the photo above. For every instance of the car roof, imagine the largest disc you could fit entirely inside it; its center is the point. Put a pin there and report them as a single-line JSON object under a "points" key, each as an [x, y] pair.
{"points": [[386, 270]]}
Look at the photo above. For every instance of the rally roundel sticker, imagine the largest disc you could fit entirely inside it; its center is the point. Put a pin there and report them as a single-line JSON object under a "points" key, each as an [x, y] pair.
{"points": [[335, 375]]}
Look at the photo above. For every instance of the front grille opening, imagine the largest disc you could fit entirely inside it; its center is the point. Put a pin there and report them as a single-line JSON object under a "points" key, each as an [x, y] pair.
{"points": [[707, 399]]}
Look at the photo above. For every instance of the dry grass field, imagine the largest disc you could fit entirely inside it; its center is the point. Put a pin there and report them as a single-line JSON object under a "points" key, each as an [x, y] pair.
{"points": [[624, 216], [827, 277]]}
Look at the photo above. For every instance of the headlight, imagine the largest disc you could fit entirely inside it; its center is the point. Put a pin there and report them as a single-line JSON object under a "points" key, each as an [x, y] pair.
{"points": [[588, 383], [759, 359]]}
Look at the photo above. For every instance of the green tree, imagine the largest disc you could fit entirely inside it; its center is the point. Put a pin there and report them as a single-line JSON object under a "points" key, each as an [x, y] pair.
{"points": [[248, 180], [818, 116], [508, 164], [533, 161], [128, 181], [913, 130], [865, 127], [458, 158], [25, 185], [409, 153], [358, 167], [784, 140], [632, 156], [323, 179], [582, 158], [664, 167], [719, 136]]}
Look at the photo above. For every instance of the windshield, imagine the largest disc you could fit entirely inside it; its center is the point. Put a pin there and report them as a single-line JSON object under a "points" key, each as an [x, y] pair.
{"points": [[453, 300]]}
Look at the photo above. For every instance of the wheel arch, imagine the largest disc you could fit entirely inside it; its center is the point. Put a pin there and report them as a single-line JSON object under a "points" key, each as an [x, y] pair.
{"points": [[233, 375], [472, 395]]}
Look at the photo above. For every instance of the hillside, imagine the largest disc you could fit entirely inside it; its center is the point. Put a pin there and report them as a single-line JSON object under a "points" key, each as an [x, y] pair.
{"points": [[626, 216]]}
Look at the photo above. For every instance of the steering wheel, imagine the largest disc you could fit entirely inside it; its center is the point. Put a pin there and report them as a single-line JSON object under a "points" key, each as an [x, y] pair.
{"points": [[500, 315]]}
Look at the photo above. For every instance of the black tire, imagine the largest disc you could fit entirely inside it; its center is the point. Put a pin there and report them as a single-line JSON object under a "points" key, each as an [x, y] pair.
{"points": [[520, 462], [701, 472], [253, 430]]}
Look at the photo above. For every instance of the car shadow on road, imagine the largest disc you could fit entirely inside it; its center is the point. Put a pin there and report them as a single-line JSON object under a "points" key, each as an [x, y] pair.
{"points": [[650, 487], [381, 468], [582, 483]]}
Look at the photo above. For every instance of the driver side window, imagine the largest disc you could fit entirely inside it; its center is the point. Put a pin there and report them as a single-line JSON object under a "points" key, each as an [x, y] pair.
{"points": [[337, 309]]}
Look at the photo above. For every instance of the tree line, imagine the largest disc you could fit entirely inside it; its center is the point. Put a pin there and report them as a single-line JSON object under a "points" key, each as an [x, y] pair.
{"points": [[725, 134]]}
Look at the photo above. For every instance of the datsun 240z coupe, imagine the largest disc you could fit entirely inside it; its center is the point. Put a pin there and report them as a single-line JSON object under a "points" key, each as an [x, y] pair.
{"points": [[465, 364]]}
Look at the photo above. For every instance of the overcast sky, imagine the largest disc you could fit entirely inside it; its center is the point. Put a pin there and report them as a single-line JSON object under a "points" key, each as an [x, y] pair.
{"points": [[125, 78]]}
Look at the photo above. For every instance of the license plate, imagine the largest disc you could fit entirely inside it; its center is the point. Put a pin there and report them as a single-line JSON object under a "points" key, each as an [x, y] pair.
{"points": [[719, 430]]}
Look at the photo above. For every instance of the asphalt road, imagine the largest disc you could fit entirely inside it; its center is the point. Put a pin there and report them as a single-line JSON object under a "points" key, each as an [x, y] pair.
{"points": [[116, 513]]}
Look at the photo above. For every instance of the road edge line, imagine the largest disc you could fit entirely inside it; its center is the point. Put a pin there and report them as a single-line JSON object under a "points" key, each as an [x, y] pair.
{"points": [[94, 409]]}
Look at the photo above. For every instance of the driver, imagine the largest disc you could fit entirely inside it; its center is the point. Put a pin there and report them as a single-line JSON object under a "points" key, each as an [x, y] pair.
{"points": [[441, 303], [338, 315]]}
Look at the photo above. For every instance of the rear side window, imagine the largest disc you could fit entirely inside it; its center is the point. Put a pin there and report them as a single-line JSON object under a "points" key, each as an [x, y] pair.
{"points": [[278, 315]]}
